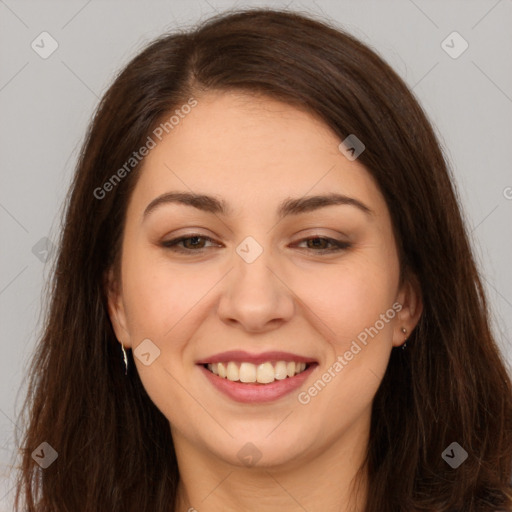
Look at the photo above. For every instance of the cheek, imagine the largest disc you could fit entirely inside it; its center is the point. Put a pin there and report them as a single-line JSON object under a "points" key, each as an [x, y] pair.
{"points": [[353, 309], [158, 294], [349, 298]]}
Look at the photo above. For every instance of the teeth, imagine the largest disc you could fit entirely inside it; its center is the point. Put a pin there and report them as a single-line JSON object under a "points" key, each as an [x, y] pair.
{"points": [[280, 370], [232, 372], [265, 373], [262, 373], [247, 372]]}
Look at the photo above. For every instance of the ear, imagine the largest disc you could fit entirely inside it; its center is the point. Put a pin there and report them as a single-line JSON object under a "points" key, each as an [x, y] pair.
{"points": [[408, 317], [116, 309]]}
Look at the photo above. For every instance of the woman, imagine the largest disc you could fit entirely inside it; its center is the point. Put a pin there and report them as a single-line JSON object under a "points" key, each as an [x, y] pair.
{"points": [[265, 298]]}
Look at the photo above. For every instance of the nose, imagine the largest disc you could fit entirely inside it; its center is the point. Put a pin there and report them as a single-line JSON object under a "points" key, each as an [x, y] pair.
{"points": [[256, 297]]}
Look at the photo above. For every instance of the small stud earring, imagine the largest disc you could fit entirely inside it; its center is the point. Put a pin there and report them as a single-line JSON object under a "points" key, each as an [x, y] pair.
{"points": [[404, 330]]}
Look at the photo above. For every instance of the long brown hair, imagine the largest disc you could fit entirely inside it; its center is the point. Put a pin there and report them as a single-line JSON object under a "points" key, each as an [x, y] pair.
{"points": [[115, 450]]}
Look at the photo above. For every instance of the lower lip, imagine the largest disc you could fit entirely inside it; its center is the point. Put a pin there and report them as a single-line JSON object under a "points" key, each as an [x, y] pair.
{"points": [[256, 393]]}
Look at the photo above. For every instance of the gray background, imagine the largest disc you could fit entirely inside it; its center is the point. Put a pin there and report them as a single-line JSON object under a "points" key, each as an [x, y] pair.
{"points": [[46, 104]]}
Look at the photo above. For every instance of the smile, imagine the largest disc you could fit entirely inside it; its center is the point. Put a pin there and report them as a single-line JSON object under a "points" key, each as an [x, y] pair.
{"points": [[264, 373]]}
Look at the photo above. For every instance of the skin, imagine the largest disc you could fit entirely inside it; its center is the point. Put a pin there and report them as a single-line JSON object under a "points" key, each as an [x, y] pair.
{"points": [[253, 152]]}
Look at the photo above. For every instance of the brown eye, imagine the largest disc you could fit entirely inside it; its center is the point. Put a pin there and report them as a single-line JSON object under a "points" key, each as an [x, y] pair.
{"points": [[317, 243], [191, 243], [196, 243], [321, 244]]}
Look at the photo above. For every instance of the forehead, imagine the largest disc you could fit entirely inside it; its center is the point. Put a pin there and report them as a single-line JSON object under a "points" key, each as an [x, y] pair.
{"points": [[250, 150]]}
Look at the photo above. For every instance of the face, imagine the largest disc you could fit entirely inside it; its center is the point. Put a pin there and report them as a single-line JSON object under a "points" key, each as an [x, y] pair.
{"points": [[261, 269]]}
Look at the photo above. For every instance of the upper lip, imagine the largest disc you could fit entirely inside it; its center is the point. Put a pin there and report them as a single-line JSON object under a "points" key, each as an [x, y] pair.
{"points": [[242, 356]]}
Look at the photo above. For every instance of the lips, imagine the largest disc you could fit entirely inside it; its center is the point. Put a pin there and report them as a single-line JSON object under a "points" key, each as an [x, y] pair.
{"points": [[241, 356], [246, 377]]}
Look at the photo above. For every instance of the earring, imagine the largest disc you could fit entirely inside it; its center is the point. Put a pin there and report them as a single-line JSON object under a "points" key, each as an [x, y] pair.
{"points": [[404, 330], [125, 358]]}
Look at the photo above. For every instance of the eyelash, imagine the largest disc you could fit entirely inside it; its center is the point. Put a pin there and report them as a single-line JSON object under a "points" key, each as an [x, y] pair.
{"points": [[173, 244]]}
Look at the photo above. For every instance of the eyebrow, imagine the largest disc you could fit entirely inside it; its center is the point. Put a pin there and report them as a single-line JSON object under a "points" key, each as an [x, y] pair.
{"points": [[290, 206]]}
